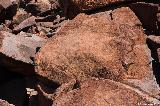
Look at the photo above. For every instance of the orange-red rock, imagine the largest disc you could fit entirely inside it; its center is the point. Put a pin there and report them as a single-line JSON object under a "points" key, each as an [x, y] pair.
{"points": [[110, 45]]}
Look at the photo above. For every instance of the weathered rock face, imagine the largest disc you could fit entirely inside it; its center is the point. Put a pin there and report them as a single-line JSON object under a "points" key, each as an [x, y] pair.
{"points": [[108, 45], [17, 51], [103, 93]]}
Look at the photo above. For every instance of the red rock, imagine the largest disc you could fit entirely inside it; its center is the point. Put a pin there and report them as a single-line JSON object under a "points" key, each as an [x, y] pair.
{"points": [[104, 93], [110, 45]]}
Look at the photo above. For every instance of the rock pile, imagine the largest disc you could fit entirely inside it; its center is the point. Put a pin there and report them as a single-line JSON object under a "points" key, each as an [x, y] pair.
{"points": [[79, 52]]}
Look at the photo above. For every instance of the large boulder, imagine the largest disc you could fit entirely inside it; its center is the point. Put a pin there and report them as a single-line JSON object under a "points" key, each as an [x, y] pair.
{"points": [[103, 93], [110, 45]]}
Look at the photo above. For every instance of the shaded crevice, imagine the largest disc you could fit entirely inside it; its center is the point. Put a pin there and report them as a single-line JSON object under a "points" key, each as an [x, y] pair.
{"points": [[48, 84], [155, 63], [76, 85]]}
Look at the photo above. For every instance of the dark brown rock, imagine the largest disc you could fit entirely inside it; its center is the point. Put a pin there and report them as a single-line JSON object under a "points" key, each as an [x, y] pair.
{"points": [[9, 9], [108, 45]]}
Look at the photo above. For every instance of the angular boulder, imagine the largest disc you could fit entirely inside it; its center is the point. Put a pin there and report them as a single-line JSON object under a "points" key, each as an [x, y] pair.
{"points": [[17, 51], [110, 45]]}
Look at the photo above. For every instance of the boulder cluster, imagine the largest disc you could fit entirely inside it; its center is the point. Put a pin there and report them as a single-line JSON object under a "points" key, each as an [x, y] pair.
{"points": [[79, 53]]}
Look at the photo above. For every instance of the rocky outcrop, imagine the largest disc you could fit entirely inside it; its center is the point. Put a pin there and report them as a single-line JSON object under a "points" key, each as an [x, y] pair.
{"points": [[110, 45]]}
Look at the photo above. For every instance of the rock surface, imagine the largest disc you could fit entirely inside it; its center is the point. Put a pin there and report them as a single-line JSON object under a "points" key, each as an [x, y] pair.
{"points": [[103, 93], [17, 51], [110, 45], [108, 56]]}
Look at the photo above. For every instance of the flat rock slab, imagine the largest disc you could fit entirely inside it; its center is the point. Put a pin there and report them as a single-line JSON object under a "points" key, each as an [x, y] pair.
{"points": [[17, 51], [20, 47], [110, 45]]}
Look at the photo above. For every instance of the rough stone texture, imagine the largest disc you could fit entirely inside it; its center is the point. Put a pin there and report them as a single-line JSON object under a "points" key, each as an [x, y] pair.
{"points": [[110, 45], [104, 93], [17, 51], [147, 13]]}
